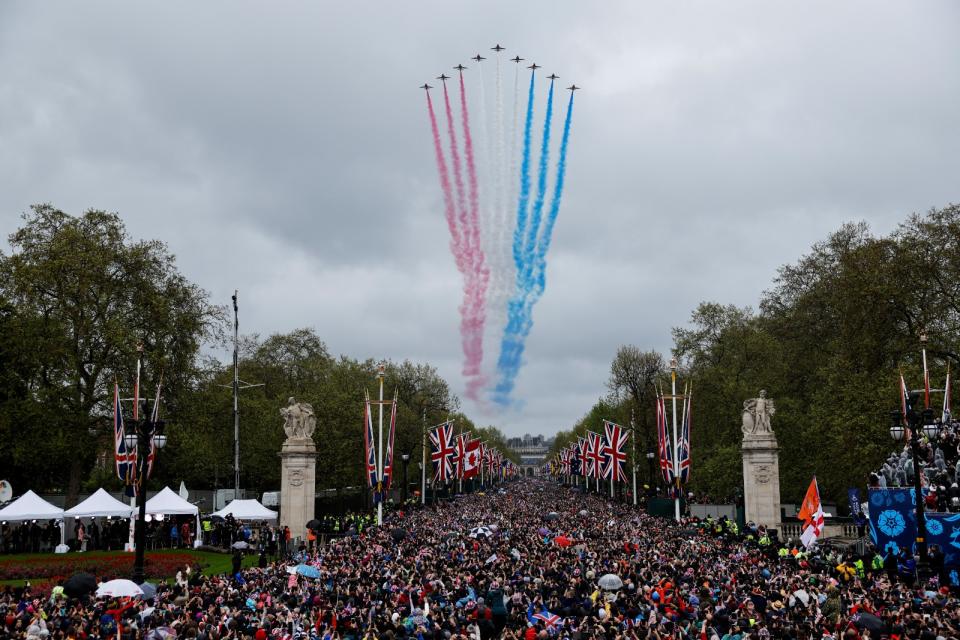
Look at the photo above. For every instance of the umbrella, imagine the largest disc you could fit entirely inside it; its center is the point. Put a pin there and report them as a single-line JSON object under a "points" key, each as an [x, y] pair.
{"points": [[584, 512], [79, 585], [564, 541], [161, 633], [314, 524], [240, 544], [149, 590], [553, 515], [610, 582], [449, 535], [307, 571], [543, 531], [866, 620], [119, 589], [492, 527], [216, 519], [398, 534], [478, 532]]}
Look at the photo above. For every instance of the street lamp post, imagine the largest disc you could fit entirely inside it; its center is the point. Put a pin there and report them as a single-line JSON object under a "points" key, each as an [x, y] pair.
{"points": [[403, 494], [916, 421], [142, 432], [651, 455]]}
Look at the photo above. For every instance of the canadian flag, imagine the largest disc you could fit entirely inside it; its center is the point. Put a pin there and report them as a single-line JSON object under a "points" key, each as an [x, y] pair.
{"points": [[472, 458], [812, 515]]}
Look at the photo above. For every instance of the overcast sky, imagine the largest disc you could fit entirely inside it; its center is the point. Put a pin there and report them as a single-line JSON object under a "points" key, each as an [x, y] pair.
{"points": [[282, 148]]}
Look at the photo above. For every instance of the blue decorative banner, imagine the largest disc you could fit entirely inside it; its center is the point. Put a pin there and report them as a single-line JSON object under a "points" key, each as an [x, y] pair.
{"points": [[893, 525]]}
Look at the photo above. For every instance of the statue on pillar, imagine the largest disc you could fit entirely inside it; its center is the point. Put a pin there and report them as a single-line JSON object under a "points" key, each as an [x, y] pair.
{"points": [[299, 420], [757, 413]]}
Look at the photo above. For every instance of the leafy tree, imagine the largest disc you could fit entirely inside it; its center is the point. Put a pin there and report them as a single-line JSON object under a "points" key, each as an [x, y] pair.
{"points": [[86, 295]]}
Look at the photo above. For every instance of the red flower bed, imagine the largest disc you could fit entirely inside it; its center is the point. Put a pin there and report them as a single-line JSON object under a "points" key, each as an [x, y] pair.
{"points": [[157, 565]]}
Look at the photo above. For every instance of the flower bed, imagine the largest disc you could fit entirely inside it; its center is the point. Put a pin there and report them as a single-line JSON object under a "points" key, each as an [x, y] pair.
{"points": [[157, 565]]}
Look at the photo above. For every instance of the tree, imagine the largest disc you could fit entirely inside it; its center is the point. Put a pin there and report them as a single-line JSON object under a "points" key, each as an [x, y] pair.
{"points": [[634, 372], [86, 295]]}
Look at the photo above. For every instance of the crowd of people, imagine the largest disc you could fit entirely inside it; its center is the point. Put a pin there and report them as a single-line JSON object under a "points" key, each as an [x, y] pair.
{"points": [[530, 560]]}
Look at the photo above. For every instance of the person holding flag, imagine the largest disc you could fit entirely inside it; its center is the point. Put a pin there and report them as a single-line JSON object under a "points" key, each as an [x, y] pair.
{"points": [[811, 512]]}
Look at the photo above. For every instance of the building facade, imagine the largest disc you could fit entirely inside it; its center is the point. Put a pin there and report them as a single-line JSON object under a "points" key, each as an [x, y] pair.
{"points": [[532, 451]]}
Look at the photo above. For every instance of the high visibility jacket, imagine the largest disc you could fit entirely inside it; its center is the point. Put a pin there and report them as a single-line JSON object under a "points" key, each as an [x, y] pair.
{"points": [[861, 570]]}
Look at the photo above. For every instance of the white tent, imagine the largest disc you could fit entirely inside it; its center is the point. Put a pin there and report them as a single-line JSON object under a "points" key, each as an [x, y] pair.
{"points": [[99, 504], [30, 506], [169, 503], [247, 510]]}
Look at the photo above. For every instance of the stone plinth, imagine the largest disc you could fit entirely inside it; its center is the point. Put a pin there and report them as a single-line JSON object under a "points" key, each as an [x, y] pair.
{"points": [[298, 482], [761, 479]]}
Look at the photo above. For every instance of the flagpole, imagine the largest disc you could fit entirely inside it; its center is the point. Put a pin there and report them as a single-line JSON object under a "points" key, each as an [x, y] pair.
{"points": [[380, 452], [633, 446], [423, 462], [676, 457], [926, 373]]}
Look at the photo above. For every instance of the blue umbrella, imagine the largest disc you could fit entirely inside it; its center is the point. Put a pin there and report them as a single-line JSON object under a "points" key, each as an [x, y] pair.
{"points": [[307, 571]]}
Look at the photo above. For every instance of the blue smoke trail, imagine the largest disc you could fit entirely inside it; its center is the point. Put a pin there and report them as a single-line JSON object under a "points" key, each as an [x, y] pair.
{"points": [[547, 237], [518, 233], [533, 230], [520, 307]]}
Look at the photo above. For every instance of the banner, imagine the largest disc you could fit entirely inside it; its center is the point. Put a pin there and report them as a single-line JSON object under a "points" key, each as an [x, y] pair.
{"points": [[893, 525]]}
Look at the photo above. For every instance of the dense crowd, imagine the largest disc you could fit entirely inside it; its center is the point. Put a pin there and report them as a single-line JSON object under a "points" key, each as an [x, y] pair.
{"points": [[939, 458], [530, 560]]}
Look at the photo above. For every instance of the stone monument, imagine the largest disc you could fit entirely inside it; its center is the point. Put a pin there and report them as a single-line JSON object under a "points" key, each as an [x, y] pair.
{"points": [[761, 467], [298, 468]]}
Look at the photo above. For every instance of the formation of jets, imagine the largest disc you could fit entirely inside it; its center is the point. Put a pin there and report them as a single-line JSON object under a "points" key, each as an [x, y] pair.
{"points": [[533, 67]]}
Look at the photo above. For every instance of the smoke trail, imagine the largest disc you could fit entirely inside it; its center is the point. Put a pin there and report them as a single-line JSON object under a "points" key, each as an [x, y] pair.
{"points": [[534, 228], [521, 305], [547, 236], [520, 231], [455, 161], [449, 209], [478, 276]]}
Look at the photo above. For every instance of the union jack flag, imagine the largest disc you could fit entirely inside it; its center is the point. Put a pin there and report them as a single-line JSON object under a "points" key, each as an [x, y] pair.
{"points": [[614, 452], [663, 442], [124, 460], [586, 462], [575, 460], [596, 454], [683, 447], [388, 460], [565, 462], [443, 450], [369, 445]]}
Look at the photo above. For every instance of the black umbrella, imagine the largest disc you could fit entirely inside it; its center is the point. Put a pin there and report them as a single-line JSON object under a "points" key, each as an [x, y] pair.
{"points": [[216, 519], [79, 585], [398, 534], [314, 524], [869, 621]]}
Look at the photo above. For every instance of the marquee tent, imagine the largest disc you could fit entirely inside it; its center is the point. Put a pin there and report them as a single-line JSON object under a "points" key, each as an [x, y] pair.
{"points": [[247, 510], [100, 504], [30, 506], [169, 503]]}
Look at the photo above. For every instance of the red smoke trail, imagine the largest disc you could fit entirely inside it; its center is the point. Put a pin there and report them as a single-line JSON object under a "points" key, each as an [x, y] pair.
{"points": [[448, 207], [471, 331], [455, 161], [479, 277]]}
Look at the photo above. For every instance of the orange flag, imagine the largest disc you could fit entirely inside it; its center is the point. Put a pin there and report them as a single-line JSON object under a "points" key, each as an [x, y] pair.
{"points": [[811, 512]]}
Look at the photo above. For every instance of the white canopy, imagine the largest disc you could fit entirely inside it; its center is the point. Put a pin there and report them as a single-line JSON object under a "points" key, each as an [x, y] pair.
{"points": [[99, 504], [170, 504], [247, 510], [30, 506]]}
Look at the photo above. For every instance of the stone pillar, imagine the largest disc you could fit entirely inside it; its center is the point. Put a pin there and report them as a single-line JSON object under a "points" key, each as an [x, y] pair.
{"points": [[298, 482], [761, 479]]}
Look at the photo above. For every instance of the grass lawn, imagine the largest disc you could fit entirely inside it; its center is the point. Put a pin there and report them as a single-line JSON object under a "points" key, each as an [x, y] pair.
{"points": [[211, 563]]}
